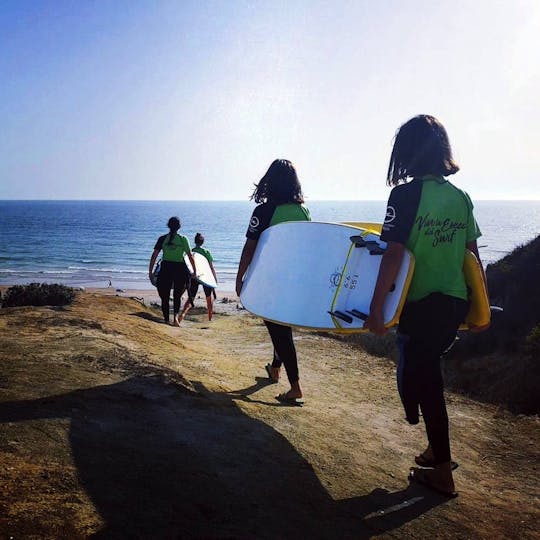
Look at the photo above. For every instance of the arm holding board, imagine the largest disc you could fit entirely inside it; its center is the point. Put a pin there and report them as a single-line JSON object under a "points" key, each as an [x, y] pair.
{"points": [[390, 265]]}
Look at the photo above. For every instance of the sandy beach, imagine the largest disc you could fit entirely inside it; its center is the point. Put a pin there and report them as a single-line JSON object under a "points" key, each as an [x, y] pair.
{"points": [[115, 425], [225, 302]]}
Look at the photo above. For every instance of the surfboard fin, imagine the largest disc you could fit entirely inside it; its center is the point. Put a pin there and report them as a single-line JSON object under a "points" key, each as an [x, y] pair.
{"points": [[358, 241], [375, 249], [358, 314], [342, 316], [372, 246]]}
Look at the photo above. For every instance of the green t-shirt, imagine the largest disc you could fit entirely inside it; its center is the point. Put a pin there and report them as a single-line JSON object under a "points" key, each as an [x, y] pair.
{"points": [[434, 219], [175, 250], [290, 212], [204, 252], [267, 214]]}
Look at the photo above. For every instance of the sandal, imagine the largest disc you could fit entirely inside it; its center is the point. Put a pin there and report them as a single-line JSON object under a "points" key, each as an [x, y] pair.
{"points": [[288, 400], [421, 476]]}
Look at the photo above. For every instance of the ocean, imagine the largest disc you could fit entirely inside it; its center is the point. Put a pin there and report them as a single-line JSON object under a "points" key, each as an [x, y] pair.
{"points": [[89, 243]]}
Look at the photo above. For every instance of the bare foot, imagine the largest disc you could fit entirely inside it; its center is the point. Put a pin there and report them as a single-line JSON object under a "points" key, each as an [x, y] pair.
{"points": [[295, 392], [273, 372], [177, 320], [426, 458]]}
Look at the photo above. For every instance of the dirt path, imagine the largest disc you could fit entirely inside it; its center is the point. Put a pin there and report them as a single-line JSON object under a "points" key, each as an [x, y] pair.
{"points": [[113, 425]]}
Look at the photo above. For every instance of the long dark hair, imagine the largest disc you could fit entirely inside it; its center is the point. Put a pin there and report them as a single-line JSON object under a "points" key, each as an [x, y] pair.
{"points": [[173, 224], [279, 185], [421, 147]]}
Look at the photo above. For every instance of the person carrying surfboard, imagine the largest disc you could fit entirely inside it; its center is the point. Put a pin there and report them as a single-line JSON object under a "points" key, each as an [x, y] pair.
{"points": [[173, 271], [279, 198], [434, 220], [194, 287]]}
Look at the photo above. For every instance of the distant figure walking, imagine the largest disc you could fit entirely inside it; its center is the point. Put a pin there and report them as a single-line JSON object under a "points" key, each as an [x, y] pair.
{"points": [[434, 219], [279, 198], [194, 287], [173, 272], [110, 283]]}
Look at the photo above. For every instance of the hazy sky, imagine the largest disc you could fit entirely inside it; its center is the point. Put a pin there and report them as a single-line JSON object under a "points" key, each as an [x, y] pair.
{"points": [[167, 100]]}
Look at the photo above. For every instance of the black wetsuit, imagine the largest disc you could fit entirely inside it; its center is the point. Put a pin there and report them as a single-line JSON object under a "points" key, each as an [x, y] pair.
{"points": [[423, 215], [173, 274]]}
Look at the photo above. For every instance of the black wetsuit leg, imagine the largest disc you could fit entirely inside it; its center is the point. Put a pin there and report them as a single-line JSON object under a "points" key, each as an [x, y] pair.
{"points": [[164, 284], [427, 329], [192, 291], [180, 284], [284, 349], [207, 291]]}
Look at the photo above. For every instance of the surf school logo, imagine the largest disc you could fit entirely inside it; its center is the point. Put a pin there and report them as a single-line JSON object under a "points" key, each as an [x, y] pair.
{"points": [[254, 223], [390, 214], [335, 278]]}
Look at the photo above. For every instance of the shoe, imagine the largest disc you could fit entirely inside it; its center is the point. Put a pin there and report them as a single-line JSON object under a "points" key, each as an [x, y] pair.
{"points": [[288, 400], [423, 461], [420, 476], [268, 368]]}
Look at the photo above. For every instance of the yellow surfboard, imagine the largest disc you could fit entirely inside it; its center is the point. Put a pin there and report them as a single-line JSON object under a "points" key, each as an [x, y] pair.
{"points": [[479, 312], [367, 225]]}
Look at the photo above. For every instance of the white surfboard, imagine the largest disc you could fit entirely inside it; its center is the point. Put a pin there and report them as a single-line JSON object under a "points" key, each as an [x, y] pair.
{"points": [[312, 275], [204, 272]]}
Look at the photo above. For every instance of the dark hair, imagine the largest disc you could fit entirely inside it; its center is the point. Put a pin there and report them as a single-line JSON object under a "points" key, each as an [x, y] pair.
{"points": [[199, 239], [421, 147], [279, 185], [173, 224]]}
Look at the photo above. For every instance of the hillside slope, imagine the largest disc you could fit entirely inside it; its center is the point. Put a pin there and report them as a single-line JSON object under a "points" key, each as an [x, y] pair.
{"points": [[501, 365], [115, 425]]}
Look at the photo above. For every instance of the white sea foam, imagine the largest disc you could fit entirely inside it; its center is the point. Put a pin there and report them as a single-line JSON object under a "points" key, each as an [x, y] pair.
{"points": [[108, 270]]}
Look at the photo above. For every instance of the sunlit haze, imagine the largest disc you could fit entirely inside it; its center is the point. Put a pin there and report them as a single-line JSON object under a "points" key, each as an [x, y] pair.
{"points": [[193, 100]]}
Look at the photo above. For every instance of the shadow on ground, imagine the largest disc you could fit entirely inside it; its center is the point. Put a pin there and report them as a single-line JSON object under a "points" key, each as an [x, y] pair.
{"points": [[161, 461]]}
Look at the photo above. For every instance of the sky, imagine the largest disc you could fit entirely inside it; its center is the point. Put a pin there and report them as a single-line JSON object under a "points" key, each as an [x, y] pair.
{"points": [[182, 100]]}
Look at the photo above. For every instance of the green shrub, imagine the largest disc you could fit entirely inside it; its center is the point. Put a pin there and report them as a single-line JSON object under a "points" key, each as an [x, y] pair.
{"points": [[38, 294]]}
